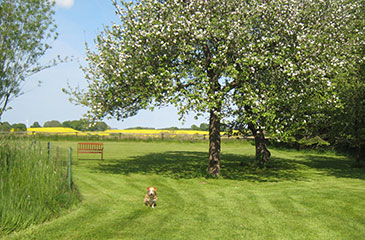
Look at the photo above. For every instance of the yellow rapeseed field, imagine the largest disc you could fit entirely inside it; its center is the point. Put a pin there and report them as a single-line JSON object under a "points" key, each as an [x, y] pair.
{"points": [[54, 130], [144, 132], [157, 131]]}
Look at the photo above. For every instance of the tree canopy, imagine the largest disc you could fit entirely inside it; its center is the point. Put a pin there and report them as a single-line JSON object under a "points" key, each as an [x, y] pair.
{"points": [[223, 58], [52, 123], [35, 125], [348, 119], [26, 27], [85, 125]]}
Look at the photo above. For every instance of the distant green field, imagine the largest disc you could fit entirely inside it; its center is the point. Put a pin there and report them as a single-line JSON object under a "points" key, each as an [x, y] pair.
{"points": [[304, 195]]}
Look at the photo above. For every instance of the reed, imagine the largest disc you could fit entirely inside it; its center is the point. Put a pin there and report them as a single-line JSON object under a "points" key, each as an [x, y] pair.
{"points": [[33, 183]]}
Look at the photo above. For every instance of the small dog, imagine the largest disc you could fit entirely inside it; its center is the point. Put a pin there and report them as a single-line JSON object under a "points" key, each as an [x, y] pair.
{"points": [[151, 197]]}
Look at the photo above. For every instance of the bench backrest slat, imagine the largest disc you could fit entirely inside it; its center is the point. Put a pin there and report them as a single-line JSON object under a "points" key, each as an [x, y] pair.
{"points": [[88, 147]]}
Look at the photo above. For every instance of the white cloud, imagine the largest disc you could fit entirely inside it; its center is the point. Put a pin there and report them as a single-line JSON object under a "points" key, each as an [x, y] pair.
{"points": [[64, 3]]}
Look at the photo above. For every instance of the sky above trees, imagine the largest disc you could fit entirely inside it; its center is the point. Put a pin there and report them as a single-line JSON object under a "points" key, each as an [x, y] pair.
{"points": [[78, 21]]}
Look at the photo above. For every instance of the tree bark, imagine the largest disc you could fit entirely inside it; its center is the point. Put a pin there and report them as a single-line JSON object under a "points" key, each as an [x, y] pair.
{"points": [[262, 153], [5, 103], [214, 120], [214, 144]]}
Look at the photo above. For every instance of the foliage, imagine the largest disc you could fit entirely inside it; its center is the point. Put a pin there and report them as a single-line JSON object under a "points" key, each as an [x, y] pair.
{"points": [[21, 127], [98, 126], [171, 128], [348, 119], [5, 127], [75, 124], [35, 125], [218, 57], [26, 26], [194, 127], [338, 116], [287, 72], [204, 127], [140, 128], [85, 125], [52, 123], [33, 184]]}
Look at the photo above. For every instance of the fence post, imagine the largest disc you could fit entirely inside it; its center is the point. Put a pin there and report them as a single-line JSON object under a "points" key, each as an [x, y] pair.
{"points": [[69, 167], [49, 150]]}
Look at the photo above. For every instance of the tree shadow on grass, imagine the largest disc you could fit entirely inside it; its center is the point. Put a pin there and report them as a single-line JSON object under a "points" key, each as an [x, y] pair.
{"points": [[341, 167], [189, 165]]}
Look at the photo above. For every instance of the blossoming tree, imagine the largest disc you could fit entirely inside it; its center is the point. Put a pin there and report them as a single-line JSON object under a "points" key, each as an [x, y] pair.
{"points": [[287, 75], [204, 56], [348, 119]]}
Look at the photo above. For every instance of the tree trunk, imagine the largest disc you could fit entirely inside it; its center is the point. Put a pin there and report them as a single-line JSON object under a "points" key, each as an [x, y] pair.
{"points": [[5, 103], [214, 144], [262, 153], [214, 119]]}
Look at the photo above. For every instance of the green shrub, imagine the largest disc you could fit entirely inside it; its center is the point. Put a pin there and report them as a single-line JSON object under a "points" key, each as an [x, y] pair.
{"points": [[19, 127], [5, 127]]}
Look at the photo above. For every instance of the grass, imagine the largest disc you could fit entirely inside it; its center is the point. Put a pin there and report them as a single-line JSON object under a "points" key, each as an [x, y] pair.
{"points": [[33, 184], [304, 195]]}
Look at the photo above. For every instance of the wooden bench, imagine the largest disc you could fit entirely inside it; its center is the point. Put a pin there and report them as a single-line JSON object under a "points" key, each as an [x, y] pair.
{"points": [[88, 147]]}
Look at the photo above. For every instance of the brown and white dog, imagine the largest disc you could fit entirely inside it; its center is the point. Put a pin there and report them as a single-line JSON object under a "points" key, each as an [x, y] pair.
{"points": [[151, 197]]}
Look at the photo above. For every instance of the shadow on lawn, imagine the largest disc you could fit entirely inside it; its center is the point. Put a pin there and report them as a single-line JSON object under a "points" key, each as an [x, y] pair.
{"points": [[338, 167], [188, 165]]}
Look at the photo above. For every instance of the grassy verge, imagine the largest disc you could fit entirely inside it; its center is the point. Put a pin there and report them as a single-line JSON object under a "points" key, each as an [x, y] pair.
{"points": [[304, 195], [33, 184]]}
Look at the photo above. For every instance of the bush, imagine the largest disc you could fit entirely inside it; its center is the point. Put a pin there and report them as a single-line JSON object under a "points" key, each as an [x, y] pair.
{"points": [[36, 125], [53, 123], [19, 127], [5, 127]]}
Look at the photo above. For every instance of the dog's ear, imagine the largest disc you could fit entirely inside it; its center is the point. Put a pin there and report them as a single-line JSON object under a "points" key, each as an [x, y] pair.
{"points": [[147, 188], [155, 188]]}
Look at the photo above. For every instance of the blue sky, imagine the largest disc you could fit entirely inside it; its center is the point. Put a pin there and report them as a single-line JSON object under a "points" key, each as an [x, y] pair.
{"points": [[78, 21]]}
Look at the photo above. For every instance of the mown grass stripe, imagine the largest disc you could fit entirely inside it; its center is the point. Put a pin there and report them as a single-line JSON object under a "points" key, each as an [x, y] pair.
{"points": [[295, 199]]}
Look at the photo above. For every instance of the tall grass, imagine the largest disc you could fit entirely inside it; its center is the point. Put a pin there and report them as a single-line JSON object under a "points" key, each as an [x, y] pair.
{"points": [[33, 184]]}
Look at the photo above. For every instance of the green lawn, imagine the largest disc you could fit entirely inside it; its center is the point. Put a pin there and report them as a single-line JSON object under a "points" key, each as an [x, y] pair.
{"points": [[304, 195]]}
